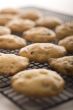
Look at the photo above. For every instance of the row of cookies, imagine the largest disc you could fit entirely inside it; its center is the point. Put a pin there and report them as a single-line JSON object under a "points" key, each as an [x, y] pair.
{"points": [[39, 82], [9, 41], [21, 25], [23, 80], [11, 64], [43, 34], [34, 82], [22, 20], [42, 82], [46, 52], [38, 52], [47, 21], [38, 34], [31, 14], [53, 54]]}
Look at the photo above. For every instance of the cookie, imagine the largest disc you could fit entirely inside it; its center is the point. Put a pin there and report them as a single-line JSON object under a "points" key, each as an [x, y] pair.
{"points": [[38, 83], [12, 11], [4, 30], [49, 22], [63, 65], [39, 34], [19, 25], [5, 18], [41, 52], [31, 14], [64, 30], [10, 64], [67, 43], [11, 42]]}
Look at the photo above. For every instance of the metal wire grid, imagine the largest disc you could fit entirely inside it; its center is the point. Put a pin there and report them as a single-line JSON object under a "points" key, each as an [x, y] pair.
{"points": [[31, 103]]}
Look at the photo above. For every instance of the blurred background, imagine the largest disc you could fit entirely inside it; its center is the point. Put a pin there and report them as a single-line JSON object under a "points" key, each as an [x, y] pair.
{"points": [[65, 6]]}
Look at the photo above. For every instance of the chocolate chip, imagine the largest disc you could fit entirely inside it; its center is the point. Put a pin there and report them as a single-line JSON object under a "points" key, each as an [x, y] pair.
{"points": [[32, 52]]}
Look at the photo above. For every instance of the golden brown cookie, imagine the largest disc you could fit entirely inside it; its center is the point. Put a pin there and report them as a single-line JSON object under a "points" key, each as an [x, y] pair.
{"points": [[39, 34], [31, 14], [20, 25], [11, 42], [49, 22], [63, 65], [4, 30], [10, 64], [67, 43], [12, 11], [38, 83], [41, 52], [64, 30], [5, 18]]}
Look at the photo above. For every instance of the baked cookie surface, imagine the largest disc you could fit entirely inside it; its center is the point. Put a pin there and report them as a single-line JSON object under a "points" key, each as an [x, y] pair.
{"points": [[20, 25], [63, 65], [12, 11], [11, 42], [38, 83], [39, 34], [4, 30], [10, 64], [67, 43], [31, 14], [5, 18], [64, 30], [48, 21], [41, 52]]}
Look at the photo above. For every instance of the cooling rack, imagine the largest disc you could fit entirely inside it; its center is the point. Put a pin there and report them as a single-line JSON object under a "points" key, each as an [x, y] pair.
{"points": [[31, 103]]}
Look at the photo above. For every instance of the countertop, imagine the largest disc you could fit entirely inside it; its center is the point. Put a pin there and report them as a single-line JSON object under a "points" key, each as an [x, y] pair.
{"points": [[5, 104]]}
